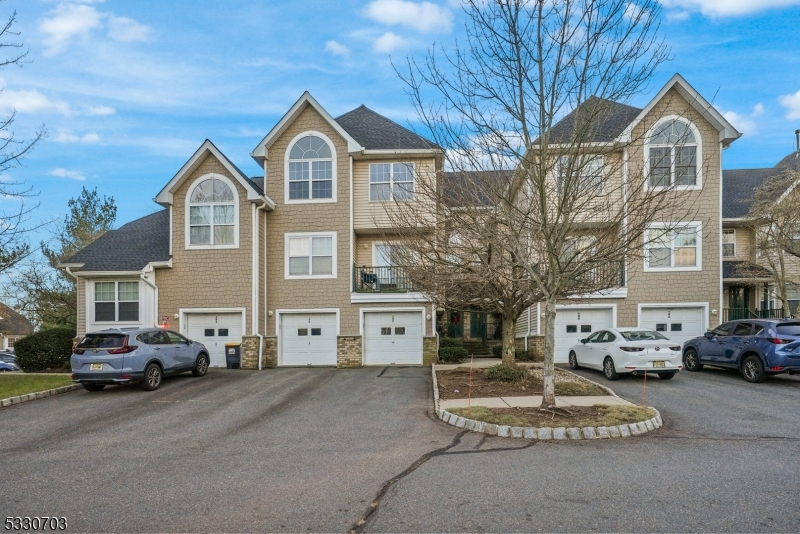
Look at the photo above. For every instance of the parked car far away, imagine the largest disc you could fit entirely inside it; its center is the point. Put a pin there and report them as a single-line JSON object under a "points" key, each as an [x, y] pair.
{"points": [[627, 350], [7, 356], [756, 348], [8, 366], [132, 355]]}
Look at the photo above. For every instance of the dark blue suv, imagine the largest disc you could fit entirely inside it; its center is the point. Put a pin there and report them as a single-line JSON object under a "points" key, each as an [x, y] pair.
{"points": [[756, 347]]}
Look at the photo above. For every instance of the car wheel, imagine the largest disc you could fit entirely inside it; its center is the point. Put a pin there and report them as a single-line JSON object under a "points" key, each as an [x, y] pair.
{"points": [[200, 366], [152, 377], [753, 369], [692, 361], [94, 387], [666, 376], [609, 370], [573, 361]]}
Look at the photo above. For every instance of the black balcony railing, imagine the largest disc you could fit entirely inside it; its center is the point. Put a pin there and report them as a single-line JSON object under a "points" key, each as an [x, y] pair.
{"points": [[732, 314], [381, 280], [610, 275]]}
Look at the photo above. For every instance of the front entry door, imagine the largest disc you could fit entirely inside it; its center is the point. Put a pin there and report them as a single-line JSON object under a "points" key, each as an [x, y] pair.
{"points": [[739, 302]]}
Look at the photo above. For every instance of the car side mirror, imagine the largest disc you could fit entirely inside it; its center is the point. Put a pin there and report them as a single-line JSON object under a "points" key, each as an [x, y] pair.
{"points": [[709, 335], [584, 341]]}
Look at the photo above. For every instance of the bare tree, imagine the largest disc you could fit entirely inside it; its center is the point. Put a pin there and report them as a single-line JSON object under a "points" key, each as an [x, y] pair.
{"points": [[14, 223], [552, 208], [774, 217]]}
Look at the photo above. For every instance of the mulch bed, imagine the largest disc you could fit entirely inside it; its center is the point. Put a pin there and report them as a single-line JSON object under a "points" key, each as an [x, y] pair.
{"points": [[455, 384], [572, 416]]}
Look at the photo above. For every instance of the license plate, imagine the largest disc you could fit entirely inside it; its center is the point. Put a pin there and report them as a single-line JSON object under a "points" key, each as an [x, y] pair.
{"points": [[658, 364], [95, 366]]}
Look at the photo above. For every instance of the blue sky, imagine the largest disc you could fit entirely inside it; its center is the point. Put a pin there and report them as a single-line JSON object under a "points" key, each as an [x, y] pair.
{"points": [[129, 90]]}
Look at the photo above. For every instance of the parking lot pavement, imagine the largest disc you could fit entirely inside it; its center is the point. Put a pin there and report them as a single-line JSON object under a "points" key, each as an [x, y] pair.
{"points": [[277, 450]]}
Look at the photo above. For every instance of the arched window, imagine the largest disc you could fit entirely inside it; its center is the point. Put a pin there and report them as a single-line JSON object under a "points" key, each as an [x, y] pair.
{"points": [[673, 149], [310, 169], [212, 213]]}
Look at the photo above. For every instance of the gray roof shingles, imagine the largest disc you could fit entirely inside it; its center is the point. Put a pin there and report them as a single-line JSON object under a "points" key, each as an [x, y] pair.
{"points": [[129, 248], [375, 132], [738, 185], [608, 120], [12, 323]]}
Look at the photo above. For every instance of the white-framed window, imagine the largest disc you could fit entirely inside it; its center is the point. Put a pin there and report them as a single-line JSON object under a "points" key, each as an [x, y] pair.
{"points": [[670, 247], [729, 243], [310, 169], [671, 154], [310, 255], [391, 181], [116, 302], [212, 219], [589, 170]]}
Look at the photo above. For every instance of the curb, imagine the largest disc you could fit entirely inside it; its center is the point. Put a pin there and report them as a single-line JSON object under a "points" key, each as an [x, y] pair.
{"points": [[38, 395], [547, 433]]}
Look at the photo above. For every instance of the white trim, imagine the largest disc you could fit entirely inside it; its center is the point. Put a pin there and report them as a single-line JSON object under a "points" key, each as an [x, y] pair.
{"points": [[334, 162], [351, 238], [401, 152], [91, 294], [187, 210], [164, 197], [612, 307], [391, 181], [703, 305], [363, 311], [254, 270], [366, 298], [539, 318], [722, 243], [727, 133], [280, 312], [615, 293], [100, 274], [698, 155], [170, 230], [675, 226], [260, 152], [183, 324], [334, 245]]}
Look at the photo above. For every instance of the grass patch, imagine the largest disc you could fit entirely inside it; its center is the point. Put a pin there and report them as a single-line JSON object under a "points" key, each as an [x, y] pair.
{"points": [[573, 416], [579, 389], [12, 385]]}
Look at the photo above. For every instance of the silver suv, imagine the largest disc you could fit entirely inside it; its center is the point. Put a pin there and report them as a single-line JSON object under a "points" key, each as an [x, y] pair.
{"points": [[129, 355]]}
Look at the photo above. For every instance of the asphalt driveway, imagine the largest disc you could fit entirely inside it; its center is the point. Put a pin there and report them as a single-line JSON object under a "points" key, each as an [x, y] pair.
{"points": [[279, 450]]}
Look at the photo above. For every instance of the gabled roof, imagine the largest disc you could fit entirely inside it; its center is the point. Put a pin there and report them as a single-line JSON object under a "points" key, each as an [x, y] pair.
{"points": [[473, 187], [738, 186], [129, 248], [254, 194], [260, 152], [727, 133], [607, 118], [12, 323], [375, 132]]}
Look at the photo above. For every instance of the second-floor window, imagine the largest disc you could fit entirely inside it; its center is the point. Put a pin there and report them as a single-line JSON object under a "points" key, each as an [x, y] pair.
{"points": [[391, 181], [116, 301], [310, 169], [311, 255], [729, 243], [672, 153], [677, 248], [212, 214], [588, 171]]}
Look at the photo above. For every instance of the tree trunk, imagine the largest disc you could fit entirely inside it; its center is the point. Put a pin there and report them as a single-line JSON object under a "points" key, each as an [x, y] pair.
{"points": [[509, 349], [549, 371]]}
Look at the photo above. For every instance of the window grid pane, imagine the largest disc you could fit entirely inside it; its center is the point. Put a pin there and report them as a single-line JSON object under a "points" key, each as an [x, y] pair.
{"points": [[104, 311], [200, 235], [129, 291], [104, 291], [223, 235]]}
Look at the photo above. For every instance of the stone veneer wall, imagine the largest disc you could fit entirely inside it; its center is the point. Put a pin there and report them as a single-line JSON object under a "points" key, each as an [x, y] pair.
{"points": [[430, 350], [348, 352], [249, 352]]}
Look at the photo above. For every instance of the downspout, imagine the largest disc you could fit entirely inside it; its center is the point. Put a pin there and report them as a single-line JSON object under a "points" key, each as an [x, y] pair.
{"points": [[261, 336], [155, 291]]}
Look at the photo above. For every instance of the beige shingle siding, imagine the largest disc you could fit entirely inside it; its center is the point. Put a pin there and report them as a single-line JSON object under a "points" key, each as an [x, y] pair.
{"points": [[80, 294], [219, 278]]}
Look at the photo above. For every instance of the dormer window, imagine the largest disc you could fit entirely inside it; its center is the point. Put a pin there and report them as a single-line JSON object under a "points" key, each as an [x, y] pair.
{"points": [[672, 153], [212, 213], [310, 169]]}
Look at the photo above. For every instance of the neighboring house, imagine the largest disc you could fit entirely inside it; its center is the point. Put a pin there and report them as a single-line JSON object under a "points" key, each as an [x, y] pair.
{"points": [[291, 263], [677, 288], [13, 327]]}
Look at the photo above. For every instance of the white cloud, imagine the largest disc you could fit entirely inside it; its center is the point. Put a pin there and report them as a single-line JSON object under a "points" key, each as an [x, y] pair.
{"points": [[68, 21], [792, 105], [745, 123], [725, 8], [99, 110], [388, 42], [66, 136], [31, 101], [678, 15], [64, 173], [424, 17], [758, 109], [126, 29], [337, 49]]}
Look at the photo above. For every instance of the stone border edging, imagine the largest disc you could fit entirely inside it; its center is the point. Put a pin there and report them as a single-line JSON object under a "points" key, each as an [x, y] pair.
{"points": [[38, 395], [546, 433]]}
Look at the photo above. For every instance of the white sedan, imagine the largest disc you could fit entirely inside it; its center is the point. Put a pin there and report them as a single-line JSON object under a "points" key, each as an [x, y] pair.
{"points": [[627, 350]]}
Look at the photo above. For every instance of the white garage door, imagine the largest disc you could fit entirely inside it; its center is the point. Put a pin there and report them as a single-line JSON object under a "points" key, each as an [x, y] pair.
{"points": [[680, 323], [574, 324], [393, 338], [214, 330], [308, 339]]}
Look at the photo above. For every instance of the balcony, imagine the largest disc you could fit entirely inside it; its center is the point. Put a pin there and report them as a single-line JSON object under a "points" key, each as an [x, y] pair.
{"points": [[732, 314], [381, 280]]}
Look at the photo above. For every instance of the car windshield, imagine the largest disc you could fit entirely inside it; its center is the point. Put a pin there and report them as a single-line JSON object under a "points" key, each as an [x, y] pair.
{"points": [[642, 335], [788, 329], [101, 341]]}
